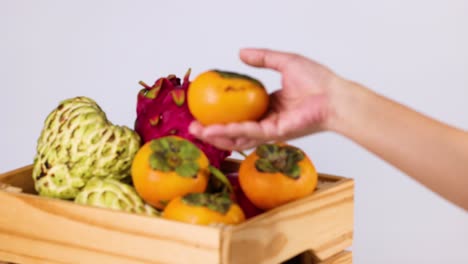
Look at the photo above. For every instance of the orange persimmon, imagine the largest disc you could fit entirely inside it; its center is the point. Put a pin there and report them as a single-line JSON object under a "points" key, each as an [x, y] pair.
{"points": [[168, 167], [275, 174], [220, 97], [204, 209]]}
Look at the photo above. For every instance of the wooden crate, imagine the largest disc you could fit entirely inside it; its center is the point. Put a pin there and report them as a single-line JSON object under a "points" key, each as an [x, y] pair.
{"points": [[36, 229]]}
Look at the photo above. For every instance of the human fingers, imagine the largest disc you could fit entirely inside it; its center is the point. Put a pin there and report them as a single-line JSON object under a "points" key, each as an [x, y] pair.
{"points": [[226, 136], [266, 58], [227, 143], [196, 129], [248, 129], [244, 130], [217, 137], [244, 143], [221, 142]]}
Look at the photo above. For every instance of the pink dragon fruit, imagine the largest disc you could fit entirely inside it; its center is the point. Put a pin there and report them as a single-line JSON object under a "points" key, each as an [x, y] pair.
{"points": [[162, 110]]}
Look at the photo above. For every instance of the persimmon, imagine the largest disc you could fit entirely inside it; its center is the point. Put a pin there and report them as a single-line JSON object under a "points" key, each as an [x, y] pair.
{"points": [[275, 174], [220, 97], [168, 167], [204, 209]]}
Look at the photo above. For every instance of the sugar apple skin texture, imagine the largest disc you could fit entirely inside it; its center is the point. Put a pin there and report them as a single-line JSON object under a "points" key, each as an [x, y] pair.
{"points": [[113, 194], [78, 143]]}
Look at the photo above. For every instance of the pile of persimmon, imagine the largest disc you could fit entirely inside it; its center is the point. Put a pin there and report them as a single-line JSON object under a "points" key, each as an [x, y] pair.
{"points": [[172, 174]]}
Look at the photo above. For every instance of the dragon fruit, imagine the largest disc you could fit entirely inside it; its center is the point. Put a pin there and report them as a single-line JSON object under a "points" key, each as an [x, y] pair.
{"points": [[162, 110]]}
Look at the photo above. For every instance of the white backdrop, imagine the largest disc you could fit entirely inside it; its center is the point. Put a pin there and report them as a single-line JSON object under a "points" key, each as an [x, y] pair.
{"points": [[412, 51]]}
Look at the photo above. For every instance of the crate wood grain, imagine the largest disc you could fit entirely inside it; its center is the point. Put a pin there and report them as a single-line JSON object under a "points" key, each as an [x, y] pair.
{"points": [[36, 229]]}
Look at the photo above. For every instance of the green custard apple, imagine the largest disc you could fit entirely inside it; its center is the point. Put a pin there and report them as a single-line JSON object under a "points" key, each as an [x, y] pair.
{"points": [[113, 194], [78, 143]]}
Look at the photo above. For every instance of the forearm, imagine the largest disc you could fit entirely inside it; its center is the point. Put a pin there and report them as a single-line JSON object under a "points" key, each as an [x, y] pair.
{"points": [[429, 151]]}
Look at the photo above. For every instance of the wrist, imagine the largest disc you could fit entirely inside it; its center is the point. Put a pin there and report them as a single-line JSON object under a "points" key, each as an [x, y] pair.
{"points": [[346, 100]]}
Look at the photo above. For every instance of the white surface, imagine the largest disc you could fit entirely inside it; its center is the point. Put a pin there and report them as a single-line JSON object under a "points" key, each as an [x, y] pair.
{"points": [[412, 51]]}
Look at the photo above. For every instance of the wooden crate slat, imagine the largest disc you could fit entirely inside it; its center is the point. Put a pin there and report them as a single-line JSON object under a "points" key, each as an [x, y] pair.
{"points": [[322, 222], [110, 232]]}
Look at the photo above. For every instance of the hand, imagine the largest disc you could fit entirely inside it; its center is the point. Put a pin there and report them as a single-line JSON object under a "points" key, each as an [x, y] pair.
{"points": [[302, 106], [313, 98]]}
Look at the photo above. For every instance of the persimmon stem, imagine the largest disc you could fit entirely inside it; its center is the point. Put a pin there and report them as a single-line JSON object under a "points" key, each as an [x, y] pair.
{"points": [[219, 175]]}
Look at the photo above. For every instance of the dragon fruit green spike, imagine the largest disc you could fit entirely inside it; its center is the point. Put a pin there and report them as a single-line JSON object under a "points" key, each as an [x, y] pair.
{"points": [[77, 143], [162, 110], [113, 194]]}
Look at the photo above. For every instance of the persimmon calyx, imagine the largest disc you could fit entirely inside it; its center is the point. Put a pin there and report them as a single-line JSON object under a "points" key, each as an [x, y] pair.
{"points": [[170, 154], [219, 202], [219, 176], [274, 158]]}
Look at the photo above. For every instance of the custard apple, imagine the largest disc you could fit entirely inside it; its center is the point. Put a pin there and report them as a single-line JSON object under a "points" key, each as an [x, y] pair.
{"points": [[78, 143], [113, 194]]}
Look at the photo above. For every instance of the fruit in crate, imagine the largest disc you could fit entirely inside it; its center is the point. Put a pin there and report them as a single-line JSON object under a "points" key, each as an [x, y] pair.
{"points": [[168, 167], [204, 209], [275, 174], [77, 143], [162, 111], [113, 194], [249, 209], [220, 97]]}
